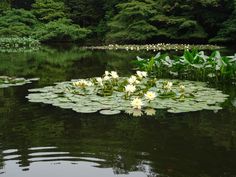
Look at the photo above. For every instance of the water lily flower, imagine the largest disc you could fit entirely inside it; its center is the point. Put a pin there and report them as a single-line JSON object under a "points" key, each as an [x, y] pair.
{"points": [[137, 103], [132, 80], [130, 88], [150, 112], [150, 95], [114, 75], [82, 83], [168, 85]]}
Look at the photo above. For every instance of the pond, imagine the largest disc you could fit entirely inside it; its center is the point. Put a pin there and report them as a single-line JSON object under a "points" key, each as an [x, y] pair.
{"points": [[41, 140]]}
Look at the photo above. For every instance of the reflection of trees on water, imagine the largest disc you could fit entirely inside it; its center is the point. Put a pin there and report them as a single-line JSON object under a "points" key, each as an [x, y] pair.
{"points": [[53, 65]]}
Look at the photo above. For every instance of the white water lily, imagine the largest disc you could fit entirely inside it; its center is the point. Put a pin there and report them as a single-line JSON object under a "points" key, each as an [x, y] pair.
{"points": [[168, 85], [82, 83], [132, 80], [130, 88], [150, 112], [137, 103], [150, 95], [114, 75], [141, 74]]}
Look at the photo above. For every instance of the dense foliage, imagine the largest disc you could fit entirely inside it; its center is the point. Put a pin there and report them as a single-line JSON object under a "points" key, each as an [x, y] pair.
{"points": [[123, 21], [191, 65]]}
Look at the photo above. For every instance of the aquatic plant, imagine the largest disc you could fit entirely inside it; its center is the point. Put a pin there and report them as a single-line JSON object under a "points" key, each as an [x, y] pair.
{"points": [[6, 81], [18, 44], [155, 47], [110, 95], [191, 65]]}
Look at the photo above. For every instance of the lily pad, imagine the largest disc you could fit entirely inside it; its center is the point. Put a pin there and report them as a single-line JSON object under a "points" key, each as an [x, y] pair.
{"points": [[6, 81], [86, 99], [110, 112]]}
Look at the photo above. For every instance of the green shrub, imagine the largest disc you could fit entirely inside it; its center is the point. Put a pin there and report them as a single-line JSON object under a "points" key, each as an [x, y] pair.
{"points": [[17, 23], [60, 30]]}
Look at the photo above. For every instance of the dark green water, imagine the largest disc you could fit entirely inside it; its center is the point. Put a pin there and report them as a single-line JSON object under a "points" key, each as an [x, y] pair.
{"points": [[40, 140]]}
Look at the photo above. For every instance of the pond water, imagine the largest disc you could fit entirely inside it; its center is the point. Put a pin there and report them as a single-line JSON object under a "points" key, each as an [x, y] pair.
{"points": [[41, 140]]}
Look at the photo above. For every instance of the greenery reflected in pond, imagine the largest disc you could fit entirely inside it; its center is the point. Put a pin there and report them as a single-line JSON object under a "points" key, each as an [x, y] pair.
{"points": [[200, 144]]}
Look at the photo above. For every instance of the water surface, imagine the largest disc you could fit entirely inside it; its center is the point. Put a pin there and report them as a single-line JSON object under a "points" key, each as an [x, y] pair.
{"points": [[41, 140]]}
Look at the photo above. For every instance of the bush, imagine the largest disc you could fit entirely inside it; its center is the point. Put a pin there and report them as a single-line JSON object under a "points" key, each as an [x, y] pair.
{"points": [[60, 30], [17, 23]]}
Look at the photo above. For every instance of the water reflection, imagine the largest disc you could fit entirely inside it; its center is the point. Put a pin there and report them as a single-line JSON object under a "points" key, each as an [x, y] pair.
{"points": [[41, 140]]}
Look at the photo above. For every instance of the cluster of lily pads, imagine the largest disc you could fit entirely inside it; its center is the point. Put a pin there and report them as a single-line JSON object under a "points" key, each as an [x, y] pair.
{"points": [[155, 47], [18, 44], [6, 81], [191, 65], [136, 95]]}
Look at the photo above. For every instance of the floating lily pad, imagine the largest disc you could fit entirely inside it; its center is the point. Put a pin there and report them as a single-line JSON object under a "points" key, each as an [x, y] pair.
{"points": [[195, 97], [6, 81], [110, 112]]}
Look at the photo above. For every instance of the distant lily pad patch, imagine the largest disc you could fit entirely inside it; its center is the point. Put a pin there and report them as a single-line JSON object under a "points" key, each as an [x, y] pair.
{"points": [[6, 81], [136, 95]]}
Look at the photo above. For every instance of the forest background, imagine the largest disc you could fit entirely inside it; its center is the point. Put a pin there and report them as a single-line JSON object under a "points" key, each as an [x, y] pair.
{"points": [[120, 21]]}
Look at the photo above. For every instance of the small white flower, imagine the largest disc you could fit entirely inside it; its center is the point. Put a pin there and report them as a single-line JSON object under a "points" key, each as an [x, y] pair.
{"points": [[137, 103], [168, 85], [99, 79], [150, 95], [107, 73], [150, 112], [106, 78], [114, 75], [137, 82], [132, 79], [130, 88], [144, 74], [141, 74]]}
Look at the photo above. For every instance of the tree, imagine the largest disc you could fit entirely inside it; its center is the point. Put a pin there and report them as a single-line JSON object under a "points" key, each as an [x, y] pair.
{"points": [[17, 22], [85, 12], [227, 33], [4, 5], [49, 10], [60, 30], [131, 23]]}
